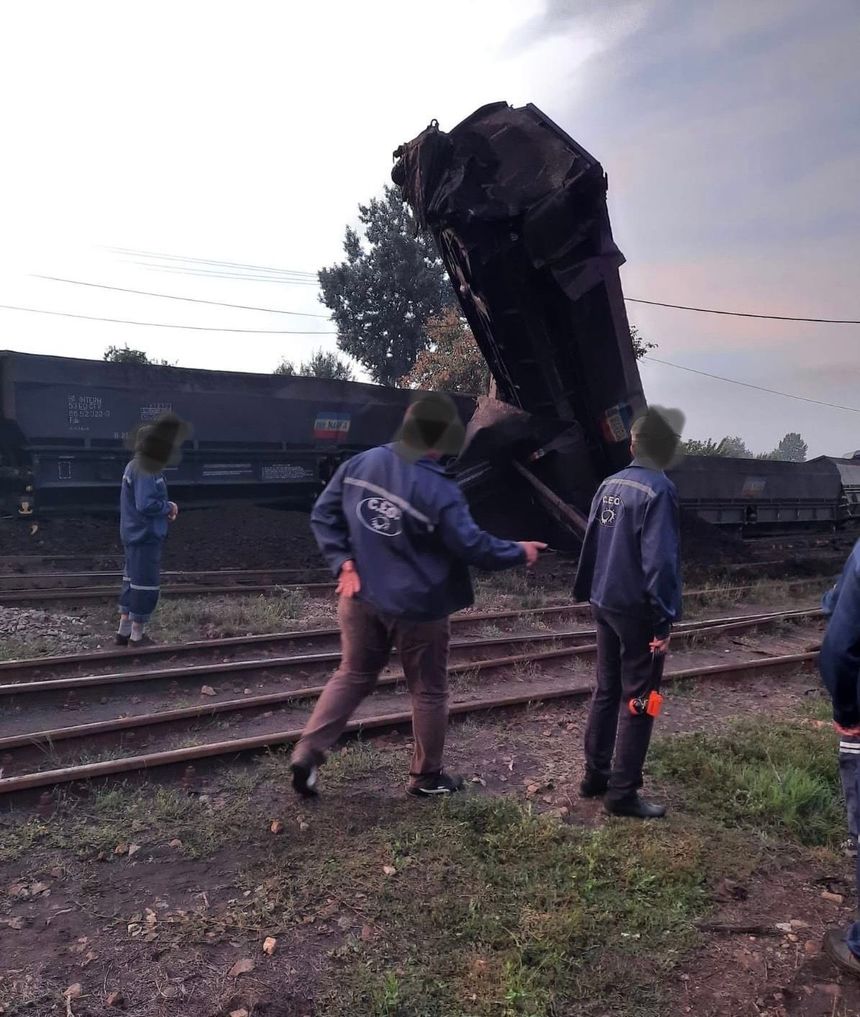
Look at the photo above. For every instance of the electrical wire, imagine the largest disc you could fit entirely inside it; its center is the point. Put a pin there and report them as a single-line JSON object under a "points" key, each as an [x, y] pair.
{"points": [[746, 384], [159, 324], [201, 262], [745, 314], [172, 296]]}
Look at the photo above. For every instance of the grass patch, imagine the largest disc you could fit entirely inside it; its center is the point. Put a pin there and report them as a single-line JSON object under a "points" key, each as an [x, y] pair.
{"points": [[496, 911], [148, 815], [220, 617], [775, 777]]}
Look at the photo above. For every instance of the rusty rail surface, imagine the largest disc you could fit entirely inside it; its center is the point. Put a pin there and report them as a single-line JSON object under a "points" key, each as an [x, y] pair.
{"points": [[46, 778]]}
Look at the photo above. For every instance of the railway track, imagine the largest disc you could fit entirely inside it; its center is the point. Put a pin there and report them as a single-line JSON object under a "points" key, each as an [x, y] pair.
{"points": [[37, 593], [542, 667]]}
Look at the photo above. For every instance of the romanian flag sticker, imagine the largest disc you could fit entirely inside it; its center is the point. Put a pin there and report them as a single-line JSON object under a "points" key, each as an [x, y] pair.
{"points": [[615, 423], [331, 426]]}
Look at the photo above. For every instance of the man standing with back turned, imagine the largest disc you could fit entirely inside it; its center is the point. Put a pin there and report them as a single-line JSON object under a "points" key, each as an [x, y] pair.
{"points": [[396, 531], [839, 661], [630, 571]]}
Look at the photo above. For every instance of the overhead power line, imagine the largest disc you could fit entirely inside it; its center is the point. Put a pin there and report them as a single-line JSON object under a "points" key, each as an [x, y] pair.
{"points": [[172, 296], [216, 265], [745, 314], [758, 388], [159, 324], [227, 275]]}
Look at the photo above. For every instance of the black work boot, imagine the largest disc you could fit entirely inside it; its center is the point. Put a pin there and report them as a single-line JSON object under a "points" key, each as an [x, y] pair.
{"points": [[593, 785], [840, 953], [435, 785], [634, 806], [304, 779]]}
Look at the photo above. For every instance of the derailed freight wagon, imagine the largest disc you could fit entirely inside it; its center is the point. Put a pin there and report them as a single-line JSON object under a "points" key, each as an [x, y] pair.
{"points": [[518, 212], [65, 427]]}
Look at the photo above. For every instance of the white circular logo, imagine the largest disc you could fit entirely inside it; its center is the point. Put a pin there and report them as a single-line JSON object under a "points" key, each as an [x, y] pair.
{"points": [[610, 509], [381, 516]]}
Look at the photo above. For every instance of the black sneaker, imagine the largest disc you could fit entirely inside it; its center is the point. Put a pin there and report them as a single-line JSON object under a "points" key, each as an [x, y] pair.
{"points": [[635, 807], [593, 785], [304, 779], [434, 786], [120, 639], [144, 640]]}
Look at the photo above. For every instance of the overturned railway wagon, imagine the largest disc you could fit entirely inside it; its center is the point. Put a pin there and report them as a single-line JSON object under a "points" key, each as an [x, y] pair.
{"points": [[65, 427], [518, 212]]}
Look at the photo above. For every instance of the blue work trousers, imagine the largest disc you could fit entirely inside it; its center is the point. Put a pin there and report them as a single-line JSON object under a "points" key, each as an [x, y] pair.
{"points": [[849, 772], [141, 580]]}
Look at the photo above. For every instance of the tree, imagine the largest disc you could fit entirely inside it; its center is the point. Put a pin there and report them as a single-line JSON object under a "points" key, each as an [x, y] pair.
{"points": [[125, 355], [730, 447], [734, 448], [382, 295], [792, 449], [452, 362], [641, 346], [320, 365]]}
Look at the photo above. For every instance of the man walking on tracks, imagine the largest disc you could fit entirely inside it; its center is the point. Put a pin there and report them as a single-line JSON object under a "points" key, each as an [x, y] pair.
{"points": [[145, 512], [396, 531], [839, 661], [629, 569]]}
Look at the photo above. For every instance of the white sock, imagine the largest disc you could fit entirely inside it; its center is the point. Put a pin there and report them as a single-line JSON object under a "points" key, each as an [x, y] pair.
{"points": [[124, 627], [136, 631]]}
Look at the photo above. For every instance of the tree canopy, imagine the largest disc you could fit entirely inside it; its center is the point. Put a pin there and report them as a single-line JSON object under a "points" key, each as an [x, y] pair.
{"points": [[730, 447], [641, 346], [386, 289], [125, 355], [452, 362], [321, 364]]}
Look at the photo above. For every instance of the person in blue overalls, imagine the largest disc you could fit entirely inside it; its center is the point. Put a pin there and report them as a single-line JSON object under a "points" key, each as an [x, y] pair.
{"points": [[630, 571], [839, 662], [145, 512]]}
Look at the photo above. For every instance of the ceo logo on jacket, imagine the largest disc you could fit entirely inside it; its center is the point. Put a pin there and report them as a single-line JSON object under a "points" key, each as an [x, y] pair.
{"points": [[381, 516]]}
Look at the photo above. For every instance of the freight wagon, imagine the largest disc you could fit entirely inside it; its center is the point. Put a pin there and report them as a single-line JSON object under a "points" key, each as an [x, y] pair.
{"points": [[65, 426]]}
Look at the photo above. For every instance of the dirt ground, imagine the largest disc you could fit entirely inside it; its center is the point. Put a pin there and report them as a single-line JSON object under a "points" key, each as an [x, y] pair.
{"points": [[98, 897]]}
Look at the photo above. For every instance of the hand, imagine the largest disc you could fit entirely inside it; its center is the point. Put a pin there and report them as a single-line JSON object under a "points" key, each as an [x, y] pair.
{"points": [[174, 510], [659, 646], [852, 732], [348, 581], [532, 549]]}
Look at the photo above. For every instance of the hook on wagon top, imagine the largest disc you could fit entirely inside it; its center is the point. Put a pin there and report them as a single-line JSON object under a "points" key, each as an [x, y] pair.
{"points": [[157, 445]]}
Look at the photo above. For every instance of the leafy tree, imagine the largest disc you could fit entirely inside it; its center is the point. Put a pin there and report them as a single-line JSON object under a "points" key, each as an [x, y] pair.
{"points": [[734, 448], [452, 362], [792, 449], [320, 365], [730, 447], [124, 355], [642, 346], [382, 295], [695, 447]]}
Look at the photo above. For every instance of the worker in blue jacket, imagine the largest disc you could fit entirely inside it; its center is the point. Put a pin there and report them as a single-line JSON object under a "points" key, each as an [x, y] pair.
{"points": [[397, 533], [145, 512], [629, 569], [839, 662]]}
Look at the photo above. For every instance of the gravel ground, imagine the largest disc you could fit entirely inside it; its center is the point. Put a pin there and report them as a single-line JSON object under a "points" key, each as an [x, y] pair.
{"points": [[37, 630]]}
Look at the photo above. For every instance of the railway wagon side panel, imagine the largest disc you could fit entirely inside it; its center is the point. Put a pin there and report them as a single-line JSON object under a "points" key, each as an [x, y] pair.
{"points": [[751, 492], [285, 435]]}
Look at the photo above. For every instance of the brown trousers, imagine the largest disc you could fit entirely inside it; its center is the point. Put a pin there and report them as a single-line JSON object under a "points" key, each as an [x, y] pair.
{"points": [[366, 640]]}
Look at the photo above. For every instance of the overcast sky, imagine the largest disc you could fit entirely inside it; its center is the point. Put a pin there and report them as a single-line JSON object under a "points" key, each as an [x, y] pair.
{"points": [[248, 132]]}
